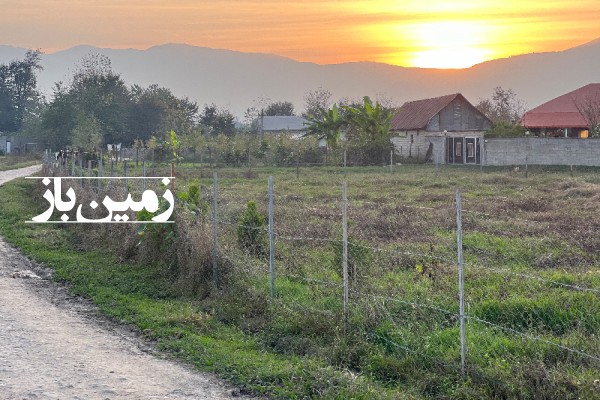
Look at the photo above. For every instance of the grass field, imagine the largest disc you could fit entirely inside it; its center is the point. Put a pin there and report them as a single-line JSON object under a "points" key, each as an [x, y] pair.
{"points": [[532, 280]]}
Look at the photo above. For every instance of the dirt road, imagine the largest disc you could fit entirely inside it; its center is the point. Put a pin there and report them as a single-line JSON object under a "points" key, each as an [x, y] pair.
{"points": [[56, 346]]}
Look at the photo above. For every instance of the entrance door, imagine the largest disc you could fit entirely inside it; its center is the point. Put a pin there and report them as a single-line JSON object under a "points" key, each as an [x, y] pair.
{"points": [[8, 147], [463, 150], [472, 152], [455, 150]]}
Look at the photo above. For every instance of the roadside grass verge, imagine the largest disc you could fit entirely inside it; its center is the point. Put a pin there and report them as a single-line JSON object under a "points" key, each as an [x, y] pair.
{"points": [[16, 162]]}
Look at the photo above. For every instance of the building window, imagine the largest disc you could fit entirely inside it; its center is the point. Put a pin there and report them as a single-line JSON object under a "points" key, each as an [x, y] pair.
{"points": [[459, 148]]}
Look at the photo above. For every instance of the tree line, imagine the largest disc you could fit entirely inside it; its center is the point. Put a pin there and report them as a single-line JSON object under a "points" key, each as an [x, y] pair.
{"points": [[96, 107]]}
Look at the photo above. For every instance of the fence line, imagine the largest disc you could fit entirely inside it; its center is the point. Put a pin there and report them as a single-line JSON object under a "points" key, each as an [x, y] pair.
{"points": [[346, 287], [462, 316]]}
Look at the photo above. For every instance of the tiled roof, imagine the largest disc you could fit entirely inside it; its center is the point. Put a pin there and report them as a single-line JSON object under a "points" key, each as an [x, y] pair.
{"points": [[416, 114], [562, 111]]}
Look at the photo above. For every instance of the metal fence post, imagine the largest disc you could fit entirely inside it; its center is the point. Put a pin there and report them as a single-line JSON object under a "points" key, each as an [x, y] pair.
{"points": [[215, 227], [112, 171], [201, 166], [125, 174], [461, 284], [271, 238], [391, 160], [144, 174], [345, 248], [81, 169], [100, 170], [173, 177]]}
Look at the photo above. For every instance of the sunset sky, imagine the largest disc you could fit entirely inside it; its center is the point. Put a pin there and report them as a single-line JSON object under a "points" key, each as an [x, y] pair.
{"points": [[422, 33]]}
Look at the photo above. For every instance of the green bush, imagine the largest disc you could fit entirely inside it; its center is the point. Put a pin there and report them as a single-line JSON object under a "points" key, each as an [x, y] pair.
{"points": [[192, 199], [252, 235], [505, 129]]}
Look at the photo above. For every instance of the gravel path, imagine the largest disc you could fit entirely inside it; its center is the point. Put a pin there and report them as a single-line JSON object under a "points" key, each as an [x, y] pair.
{"points": [[57, 346]]}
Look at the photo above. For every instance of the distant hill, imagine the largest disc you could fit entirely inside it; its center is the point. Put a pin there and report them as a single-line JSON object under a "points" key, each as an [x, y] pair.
{"points": [[234, 79]]}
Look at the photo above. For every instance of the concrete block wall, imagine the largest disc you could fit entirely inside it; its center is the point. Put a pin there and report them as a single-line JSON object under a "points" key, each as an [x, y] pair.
{"points": [[406, 149], [541, 151]]}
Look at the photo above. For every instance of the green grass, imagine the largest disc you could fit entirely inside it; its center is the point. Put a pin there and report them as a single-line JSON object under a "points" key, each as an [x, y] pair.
{"points": [[529, 244], [16, 162]]}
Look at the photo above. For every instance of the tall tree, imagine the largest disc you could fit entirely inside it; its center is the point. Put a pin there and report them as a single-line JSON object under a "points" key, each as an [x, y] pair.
{"points": [[98, 98], [87, 134], [215, 120], [505, 111], [279, 108], [18, 90], [96, 94], [155, 111], [102, 94], [503, 106], [315, 102], [60, 118]]}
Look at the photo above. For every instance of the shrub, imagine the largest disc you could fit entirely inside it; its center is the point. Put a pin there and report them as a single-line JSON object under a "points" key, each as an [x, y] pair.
{"points": [[192, 200], [252, 236]]}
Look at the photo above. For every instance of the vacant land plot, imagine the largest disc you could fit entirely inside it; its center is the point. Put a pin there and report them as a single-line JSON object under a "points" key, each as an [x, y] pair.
{"points": [[531, 279]]}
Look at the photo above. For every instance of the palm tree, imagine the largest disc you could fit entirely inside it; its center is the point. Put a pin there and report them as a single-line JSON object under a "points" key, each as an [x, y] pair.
{"points": [[370, 129], [371, 122], [328, 126]]}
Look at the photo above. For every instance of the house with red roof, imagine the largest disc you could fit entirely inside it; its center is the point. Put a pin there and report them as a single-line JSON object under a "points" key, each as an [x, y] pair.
{"points": [[445, 130], [571, 115]]}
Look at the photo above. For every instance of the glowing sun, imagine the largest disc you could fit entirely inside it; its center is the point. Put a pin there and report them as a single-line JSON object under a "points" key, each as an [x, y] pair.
{"points": [[451, 44]]}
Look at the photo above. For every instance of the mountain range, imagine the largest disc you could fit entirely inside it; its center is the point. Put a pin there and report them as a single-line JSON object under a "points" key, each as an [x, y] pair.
{"points": [[236, 80]]}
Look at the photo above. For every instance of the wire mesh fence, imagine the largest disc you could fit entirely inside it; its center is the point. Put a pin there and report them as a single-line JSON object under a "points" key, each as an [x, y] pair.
{"points": [[514, 305], [388, 269]]}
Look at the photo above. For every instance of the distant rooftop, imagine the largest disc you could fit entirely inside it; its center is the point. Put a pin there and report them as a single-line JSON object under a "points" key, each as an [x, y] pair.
{"points": [[562, 111], [283, 123]]}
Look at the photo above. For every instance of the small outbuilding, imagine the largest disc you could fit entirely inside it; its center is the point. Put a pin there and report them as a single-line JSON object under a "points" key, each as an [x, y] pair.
{"points": [[446, 129]]}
